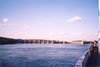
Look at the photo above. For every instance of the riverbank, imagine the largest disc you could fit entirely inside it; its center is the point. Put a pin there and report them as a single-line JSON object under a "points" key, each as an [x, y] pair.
{"points": [[4, 40]]}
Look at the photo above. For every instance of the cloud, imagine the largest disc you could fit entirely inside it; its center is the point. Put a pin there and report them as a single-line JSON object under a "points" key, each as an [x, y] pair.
{"points": [[63, 34], [5, 19], [5, 25], [74, 19], [4, 22]]}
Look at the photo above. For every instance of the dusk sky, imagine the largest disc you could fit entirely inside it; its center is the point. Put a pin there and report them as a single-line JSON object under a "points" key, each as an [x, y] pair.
{"points": [[49, 19]]}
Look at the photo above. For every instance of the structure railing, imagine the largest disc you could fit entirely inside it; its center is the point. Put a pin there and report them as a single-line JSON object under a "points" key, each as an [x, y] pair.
{"points": [[83, 59]]}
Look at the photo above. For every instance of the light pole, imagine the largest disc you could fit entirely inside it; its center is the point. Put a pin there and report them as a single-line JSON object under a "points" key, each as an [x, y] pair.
{"points": [[99, 29], [99, 42]]}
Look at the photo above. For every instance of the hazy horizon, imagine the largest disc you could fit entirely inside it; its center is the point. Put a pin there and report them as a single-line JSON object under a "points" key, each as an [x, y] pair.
{"points": [[49, 19]]}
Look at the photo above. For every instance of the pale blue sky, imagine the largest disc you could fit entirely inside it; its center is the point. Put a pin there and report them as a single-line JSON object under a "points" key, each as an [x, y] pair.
{"points": [[49, 19]]}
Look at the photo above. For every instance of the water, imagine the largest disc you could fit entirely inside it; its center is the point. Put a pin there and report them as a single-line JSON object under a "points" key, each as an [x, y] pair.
{"points": [[41, 55]]}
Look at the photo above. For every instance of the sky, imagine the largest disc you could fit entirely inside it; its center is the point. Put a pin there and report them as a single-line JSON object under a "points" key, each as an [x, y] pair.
{"points": [[49, 19], [99, 15]]}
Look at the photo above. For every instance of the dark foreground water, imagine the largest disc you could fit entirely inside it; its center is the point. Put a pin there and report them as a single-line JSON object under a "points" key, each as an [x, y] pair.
{"points": [[40, 55]]}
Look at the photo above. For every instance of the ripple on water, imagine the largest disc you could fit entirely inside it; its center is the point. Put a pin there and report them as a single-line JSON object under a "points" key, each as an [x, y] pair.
{"points": [[39, 55]]}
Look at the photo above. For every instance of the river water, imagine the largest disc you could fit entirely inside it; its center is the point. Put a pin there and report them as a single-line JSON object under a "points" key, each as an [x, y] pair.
{"points": [[41, 55]]}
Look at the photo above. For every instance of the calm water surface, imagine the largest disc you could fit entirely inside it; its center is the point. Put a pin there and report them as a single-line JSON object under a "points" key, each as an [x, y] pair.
{"points": [[41, 55]]}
